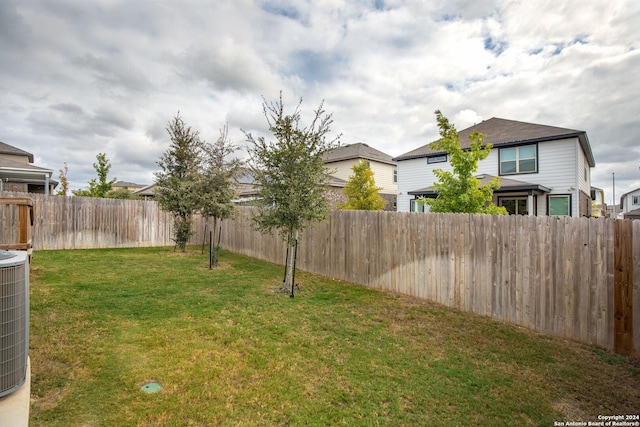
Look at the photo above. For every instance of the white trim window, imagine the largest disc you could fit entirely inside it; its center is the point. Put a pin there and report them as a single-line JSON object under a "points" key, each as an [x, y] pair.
{"points": [[416, 205], [560, 205], [515, 205], [635, 200], [515, 160]]}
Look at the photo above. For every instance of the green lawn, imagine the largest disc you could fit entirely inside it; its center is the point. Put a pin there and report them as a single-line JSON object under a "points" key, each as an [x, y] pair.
{"points": [[228, 350]]}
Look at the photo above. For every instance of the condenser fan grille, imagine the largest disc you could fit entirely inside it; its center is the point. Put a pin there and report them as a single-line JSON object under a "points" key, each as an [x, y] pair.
{"points": [[14, 323]]}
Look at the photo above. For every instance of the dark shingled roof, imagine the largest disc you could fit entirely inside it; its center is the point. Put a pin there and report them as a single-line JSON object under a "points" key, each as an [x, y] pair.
{"points": [[126, 184], [502, 132], [506, 185], [635, 214], [9, 149], [357, 151]]}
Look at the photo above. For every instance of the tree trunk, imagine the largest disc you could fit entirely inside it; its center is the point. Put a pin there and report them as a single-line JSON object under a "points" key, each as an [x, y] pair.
{"points": [[291, 249], [214, 242]]}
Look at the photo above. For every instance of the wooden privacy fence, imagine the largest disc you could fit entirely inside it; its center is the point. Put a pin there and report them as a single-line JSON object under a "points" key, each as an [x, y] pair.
{"points": [[16, 223], [577, 278], [85, 223]]}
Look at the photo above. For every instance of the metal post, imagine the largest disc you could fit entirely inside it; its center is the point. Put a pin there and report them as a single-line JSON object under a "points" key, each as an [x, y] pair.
{"points": [[613, 199]]}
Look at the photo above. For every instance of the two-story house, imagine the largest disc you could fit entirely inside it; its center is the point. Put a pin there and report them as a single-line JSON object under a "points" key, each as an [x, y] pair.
{"points": [[340, 162], [630, 204], [17, 173], [543, 170]]}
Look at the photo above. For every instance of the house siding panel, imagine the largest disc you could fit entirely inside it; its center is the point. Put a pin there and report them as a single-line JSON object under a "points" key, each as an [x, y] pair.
{"points": [[383, 176], [15, 158], [584, 183], [341, 169], [382, 173], [412, 175], [557, 165]]}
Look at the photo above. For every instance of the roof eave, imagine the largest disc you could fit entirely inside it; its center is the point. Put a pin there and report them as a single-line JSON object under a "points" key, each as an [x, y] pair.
{"points": [[532, 187], [371, 159], [26, 170], [581, 135]]}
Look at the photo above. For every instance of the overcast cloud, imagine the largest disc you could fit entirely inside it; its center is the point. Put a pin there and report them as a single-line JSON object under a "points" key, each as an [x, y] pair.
{"points": [[82, 77]]}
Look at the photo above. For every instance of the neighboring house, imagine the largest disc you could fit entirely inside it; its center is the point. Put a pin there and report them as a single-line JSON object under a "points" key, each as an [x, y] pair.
{"points": [[124, 185], [613, 211], [598, 206], [248, 189], [543, 170], [245, 186], [630, 204], [341, 160], [18, 174], [147, 192]]}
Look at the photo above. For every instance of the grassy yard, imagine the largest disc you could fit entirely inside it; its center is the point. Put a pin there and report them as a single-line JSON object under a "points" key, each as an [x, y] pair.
{"points": [[228, 350]]}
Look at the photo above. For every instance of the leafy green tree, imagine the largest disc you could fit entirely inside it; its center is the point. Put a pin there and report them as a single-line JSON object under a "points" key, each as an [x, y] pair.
{"points": [[64, 181], [217, 188], [361, 190], [98, 187], [459, 191], [291, 175], [178, 182]]}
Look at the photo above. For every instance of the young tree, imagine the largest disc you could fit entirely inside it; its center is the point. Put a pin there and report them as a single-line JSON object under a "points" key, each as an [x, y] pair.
{"points": [[291, 175], [98, 187], [217, 189], [361, 190], [459, 191], [177, 183], [64, 181]]}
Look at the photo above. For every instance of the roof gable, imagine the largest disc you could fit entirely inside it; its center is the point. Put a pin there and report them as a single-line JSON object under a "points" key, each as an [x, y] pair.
{"points": [[14, 151], [10, 165], [357, 151], [503, 132]]}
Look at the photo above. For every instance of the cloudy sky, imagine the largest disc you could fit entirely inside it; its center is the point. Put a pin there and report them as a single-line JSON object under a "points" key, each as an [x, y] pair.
{"points": [[80, 77]]}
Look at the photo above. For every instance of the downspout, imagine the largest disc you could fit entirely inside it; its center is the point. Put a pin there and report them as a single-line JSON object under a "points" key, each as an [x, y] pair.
{"points": [[575, 197], [530, 204], [46, 184]]}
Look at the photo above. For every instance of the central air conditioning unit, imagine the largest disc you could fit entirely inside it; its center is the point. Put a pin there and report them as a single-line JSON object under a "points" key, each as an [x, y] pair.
{"points": [[14, 320]]}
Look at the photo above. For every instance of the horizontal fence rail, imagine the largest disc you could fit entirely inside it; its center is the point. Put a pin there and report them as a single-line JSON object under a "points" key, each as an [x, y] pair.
{"points": [[577, 278]]}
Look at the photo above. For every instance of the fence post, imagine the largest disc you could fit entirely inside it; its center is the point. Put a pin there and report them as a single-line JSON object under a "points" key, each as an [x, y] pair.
{"points": [[623, 287]]}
